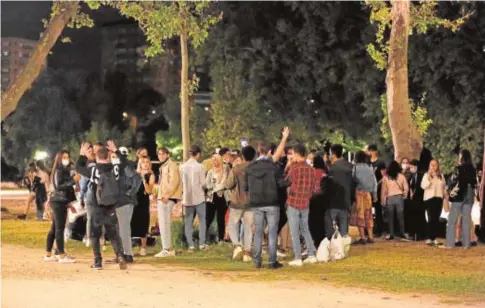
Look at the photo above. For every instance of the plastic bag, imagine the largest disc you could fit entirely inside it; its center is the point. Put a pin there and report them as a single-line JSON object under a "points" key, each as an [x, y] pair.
{"points": [[337, 251], [347, 241], [476, 213], [323, 253]]}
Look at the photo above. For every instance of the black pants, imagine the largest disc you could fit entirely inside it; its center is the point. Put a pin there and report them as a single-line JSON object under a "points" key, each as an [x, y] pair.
{"points": [[433, 207], [282, 197], [105, 217], [316, 219], [416, 223], [481, 234], [218, 205], [379, 226], [56, 232]]}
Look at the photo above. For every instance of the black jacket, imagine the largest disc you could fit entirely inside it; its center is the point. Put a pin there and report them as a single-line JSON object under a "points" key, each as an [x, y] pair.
{"points": [[341, 183], [63, 183], [263, 178], [465, 176]]}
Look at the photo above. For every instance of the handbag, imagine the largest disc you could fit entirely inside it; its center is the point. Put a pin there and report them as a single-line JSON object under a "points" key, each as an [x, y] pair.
{"points": [[58, 195]]}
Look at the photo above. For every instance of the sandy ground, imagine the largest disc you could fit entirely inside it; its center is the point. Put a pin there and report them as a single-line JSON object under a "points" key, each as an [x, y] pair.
{"points": [[29, 282]]}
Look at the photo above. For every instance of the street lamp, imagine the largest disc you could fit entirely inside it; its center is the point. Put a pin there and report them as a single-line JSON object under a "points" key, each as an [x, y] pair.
{"points": [[125, 115], [41, 155]]}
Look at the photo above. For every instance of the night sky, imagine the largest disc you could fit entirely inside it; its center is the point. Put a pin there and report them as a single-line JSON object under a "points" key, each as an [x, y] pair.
{"points": [[23, 19]]}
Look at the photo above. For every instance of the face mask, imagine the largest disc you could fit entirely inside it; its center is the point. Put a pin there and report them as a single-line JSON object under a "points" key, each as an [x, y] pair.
{"points": [[310, 162], [404, 166], [65, 162], [115, 161]]}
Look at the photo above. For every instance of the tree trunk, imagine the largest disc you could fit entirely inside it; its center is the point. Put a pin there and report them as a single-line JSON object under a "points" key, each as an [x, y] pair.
{"points": [[482, 186], [184, 95], [405, 136], [36, 62]]}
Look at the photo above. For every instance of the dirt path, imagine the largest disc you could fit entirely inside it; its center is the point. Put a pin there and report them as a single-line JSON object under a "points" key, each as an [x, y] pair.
{"points": [[28, 282]]}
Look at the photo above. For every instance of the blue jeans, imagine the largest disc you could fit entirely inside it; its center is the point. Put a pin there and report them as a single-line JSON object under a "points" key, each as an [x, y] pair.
{"points": [[341, 218], [272, 215], [190, 212], [165, 223], [298, 221], [465, 210]]}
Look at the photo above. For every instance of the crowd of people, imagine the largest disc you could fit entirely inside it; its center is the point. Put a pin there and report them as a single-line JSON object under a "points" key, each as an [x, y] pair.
{"points": [[255, 194]]}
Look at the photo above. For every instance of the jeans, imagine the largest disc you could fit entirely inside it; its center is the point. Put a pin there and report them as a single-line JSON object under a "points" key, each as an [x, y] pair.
{"points": [[105, 217], [298, 221], [272, 215], [465, 210], [56, 232], [190, 212], [124, 215], [395, 204], [89, 217], [235, 216], [433, 207], [218, 205], [340, 217], [164, 222]]}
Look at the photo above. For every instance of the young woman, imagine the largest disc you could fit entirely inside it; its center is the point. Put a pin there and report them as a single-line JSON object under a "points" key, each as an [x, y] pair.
{"points": [[461, 190], [394, 190], [140, 221], [216, 200], [366, 192], [62, 194], [42, 189], [317, 204], [434, 187], [30, 180]]}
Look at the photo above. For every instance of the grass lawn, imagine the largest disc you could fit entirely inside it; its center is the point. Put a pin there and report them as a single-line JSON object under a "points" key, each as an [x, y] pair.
{"points": [[395, 267]]}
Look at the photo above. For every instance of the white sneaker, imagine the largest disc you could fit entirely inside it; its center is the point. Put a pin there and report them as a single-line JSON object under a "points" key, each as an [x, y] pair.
{"points": [[298, 262], [236, 252], [165, 253], [436, 243], [52, 258], [143, 252], [429, 242], [305, 253], [247, 258], [311, 260], [66, 260], [203, 247], [280, 254], [191, 248], [88, 242]]}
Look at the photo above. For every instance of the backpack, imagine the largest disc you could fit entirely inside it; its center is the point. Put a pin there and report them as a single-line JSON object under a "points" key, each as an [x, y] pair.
{"points": [[108, 189], [131, 182]]}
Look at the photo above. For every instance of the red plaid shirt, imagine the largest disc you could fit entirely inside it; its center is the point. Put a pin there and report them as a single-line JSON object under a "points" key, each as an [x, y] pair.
{"points": [[302, 178]]}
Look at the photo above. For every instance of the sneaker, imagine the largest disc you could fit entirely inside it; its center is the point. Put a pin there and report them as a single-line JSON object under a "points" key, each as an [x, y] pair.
{"points": [[389, 238], [370, 241], [280, 254], [88, 242], [123, 265], [165, 253], [305, 253], [458, 244], [52, 258], [359, 242], [297, 262], [258, 265], [203, 247], [473, 244], [236, 252], [247, 258], [22, 216], [405, 237], [429, 242], [129, 259], [276, 265], [436, 243], [66, 260], [97, 266], [143, 252], [310, 260], [191, 249]]}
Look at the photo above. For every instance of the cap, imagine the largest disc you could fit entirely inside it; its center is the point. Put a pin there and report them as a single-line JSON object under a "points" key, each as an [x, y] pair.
{"points": [[123, 151]]}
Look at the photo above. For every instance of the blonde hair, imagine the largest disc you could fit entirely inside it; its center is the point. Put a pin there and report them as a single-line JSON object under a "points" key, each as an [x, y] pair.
{"points": [[219, 159]]}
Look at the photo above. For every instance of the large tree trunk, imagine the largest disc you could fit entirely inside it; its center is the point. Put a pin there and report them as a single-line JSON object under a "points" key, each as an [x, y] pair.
{"points": [[405, 136], [482, 185], [32, 69], [184, 95]]}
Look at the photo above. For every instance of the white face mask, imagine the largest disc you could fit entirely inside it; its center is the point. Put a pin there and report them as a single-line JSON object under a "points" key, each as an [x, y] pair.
{"points": [[65, 162], [115, 161], [404, 167], [310, 162]]}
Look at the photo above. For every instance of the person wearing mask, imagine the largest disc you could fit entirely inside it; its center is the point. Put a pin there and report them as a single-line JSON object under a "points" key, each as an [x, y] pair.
{"points": [[461, 188], [302, 181], [310, 157], [405, 166], [434, 186], [217, 195], [394, 190], [62, 195], [193, 197], [379, 166], [366, 192], [262, 179], [169, 193], [239, 209], [340, 176], [318, 203]]}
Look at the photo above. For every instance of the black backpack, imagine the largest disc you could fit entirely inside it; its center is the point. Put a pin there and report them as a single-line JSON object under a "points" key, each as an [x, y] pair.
{"points": [[131, 182], [108, 189]]}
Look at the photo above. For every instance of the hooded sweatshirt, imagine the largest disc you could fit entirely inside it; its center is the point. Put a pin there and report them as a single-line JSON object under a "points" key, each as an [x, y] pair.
{"points": [[262, 180]]}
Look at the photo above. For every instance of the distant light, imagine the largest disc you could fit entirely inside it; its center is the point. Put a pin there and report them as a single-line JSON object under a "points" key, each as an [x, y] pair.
{"points": [[125, 115], [269, 111], [40, 155], [312, 101], [316, 111], [206, 108], [154, 111]]}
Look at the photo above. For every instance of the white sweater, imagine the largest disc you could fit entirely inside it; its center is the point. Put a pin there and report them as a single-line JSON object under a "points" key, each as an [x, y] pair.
{"points": [[433, 187]]}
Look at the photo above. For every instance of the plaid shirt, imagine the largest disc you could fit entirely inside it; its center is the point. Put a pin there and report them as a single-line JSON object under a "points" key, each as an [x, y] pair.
{"points": [[302, 184]]}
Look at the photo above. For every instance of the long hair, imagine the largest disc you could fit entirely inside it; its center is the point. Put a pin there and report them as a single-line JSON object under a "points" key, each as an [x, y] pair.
{"points": [[393, 170], [319, 163], [466, 158], [41, 166], [424, 159], [57, 164], [438, 168]]}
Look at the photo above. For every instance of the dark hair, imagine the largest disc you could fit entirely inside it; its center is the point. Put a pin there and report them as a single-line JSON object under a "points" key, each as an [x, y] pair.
{"points": [[141, 149], [99, 144], [466, 158], [360, 157], [262, 149], [164, 150], [195, 150], [393, 170], [248, 153], [300, 149], [103, 153], [415, 162], [372, 148], [424, 159], [287, 148], [337, 150], [272, 148], [318, 163], [224, 151], [57, 163], [40, 165]]}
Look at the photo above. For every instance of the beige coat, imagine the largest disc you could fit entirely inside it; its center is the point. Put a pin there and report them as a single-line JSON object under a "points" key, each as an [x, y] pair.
{"points": [[170, 185]]}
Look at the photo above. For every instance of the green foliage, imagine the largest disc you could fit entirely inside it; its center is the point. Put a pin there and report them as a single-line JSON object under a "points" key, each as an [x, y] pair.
{"points": [[172, 142]]}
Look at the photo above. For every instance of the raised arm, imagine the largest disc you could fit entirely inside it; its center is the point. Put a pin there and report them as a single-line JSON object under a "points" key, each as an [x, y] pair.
{"points": [[281, 147]]}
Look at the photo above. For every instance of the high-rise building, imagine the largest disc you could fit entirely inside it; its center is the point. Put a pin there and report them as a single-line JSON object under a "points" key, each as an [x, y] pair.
{"points": [[15, 54]]}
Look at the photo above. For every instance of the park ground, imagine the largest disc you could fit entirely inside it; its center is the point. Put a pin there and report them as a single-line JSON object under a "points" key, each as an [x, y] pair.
{"points": [[383, 275]]}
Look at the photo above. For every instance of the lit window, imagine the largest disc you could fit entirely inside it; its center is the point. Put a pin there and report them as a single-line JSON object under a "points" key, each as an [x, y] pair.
{"points": [[5, 53]]}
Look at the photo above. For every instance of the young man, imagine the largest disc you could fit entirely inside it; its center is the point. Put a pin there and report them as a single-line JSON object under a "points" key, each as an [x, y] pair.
{"points": [[226, 156], [302, 181], [238, 207], [261, 183], [340, 175], [379, 166], [169, 193], [105, 178], [193, 200]]}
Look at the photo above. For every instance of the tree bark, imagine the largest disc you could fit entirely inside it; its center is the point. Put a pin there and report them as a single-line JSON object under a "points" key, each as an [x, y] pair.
{"points": [[36, 62], [405, 136], [184, 94], [482, 184]]}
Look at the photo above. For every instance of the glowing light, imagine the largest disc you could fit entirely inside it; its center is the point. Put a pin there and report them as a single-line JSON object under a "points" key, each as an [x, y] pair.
{"points": [[125, 115], [40, 155]]}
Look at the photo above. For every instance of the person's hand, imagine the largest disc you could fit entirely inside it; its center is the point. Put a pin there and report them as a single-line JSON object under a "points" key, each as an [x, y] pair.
{"points": [[286, 132], [73, 209], [84, 148], [111, 146]]}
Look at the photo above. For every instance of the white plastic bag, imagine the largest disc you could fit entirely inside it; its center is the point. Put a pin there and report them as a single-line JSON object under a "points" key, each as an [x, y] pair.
{"points": [[323, 253], [337, 251], [347, 241], [476, 213]]}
